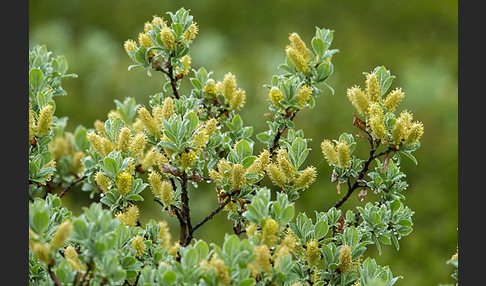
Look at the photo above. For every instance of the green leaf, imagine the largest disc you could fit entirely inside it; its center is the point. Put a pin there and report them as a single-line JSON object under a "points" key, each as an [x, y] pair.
{"points": [[169, 277], [40, 220], [243, 149], [202, 249], [410, 156], [134, 197], [231, 245], [36, 78], [320, 230], [192, 120], [318, 46], [247, 282], [111, 166]]}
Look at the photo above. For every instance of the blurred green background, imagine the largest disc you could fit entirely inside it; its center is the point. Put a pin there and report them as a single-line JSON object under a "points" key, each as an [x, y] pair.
{"points": [[416, 40]]}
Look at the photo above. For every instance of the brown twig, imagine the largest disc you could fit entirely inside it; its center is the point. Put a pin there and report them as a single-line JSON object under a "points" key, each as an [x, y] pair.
{"points": [[71, 185], [214, 212], [53, 276], [364, 171]]}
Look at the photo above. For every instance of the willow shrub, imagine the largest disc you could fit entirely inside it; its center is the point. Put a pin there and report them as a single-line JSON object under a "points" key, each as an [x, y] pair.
{"points": [[164, 151]]}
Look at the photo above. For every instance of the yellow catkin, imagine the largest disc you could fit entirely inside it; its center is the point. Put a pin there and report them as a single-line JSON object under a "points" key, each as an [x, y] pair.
{"points": [[123, 140], [290, 240], [286, 168], [95, 141], [251, 229], [312, 253], [215, 177], [262, 260], [129, 217], [358, 99], [77, 166], [149, 159], [61, 235], [376, 121], [61, 146], [99, 125], [123, 183], [186, 65], [372, 87], [168, 38], [269, 232], [200, 139], [129, 46], [414, 134], [167, 108], [401, 128], [343, 157], [41, 251], [237, 179], [167, 193], [305, 179], [255, 168], [210, 87], [228, 86], [147, 27], [102, 181], [137, 144], [164, 234], [275, 95], [138, 245], [393, 99], [299, 45], [45, 120], [157, 21], [144, 40], [221, 270], [264, 157], [238, 100], [223, 168], [148, 122], [304, 94], [187, 159], [72, 257], [276, 175], [107, 146], [329, 152], [190, 34], [297, 60], [211, 126], [345, 258]]}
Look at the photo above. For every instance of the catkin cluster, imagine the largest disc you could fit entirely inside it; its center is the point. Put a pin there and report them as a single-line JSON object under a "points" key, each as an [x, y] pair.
{"points": [[283, 174], [378, 109]]}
